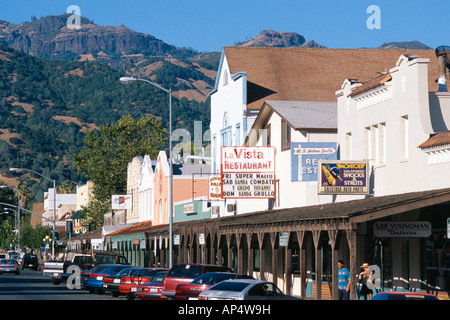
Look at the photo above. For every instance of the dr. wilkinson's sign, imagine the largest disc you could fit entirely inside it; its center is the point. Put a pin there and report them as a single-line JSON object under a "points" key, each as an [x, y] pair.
{"points": [[402, 229]]}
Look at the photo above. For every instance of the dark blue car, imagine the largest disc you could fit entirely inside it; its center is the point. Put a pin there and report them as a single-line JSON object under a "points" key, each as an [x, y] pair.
{"points": [[95, 282]]}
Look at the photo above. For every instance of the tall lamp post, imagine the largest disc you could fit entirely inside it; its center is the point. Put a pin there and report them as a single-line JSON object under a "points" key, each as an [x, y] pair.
{"points": [[54, 203], [129, 79]]}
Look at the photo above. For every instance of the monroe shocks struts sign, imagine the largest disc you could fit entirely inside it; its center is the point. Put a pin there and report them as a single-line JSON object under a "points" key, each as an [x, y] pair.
{"points": [[248, 172], [343, 177]]}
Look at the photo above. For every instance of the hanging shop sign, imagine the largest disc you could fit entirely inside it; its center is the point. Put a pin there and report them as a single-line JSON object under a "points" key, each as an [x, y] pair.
{"points": [[215, 188], [343, 177], [305, 158], [402, 229], [248, 172]]}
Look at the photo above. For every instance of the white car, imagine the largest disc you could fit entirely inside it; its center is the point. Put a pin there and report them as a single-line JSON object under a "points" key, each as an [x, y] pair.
{"points": [[245, 289]]}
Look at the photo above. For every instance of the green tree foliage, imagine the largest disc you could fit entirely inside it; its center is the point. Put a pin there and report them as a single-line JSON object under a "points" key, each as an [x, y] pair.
{"points": [[32, 237], [7, 238], [94, 213], [108, 151]]}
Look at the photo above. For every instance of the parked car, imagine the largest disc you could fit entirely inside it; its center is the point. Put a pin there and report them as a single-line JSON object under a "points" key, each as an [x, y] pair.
{"points": [[30, 261], [403, 295], [186, 273], [190, 291], [128, 284], [9, 266], [95, 281], [245, 289], [111, 283], [151, 290]]}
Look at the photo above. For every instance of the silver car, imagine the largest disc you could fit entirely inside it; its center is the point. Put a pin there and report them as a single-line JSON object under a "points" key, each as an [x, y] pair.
{"points": [[9, 265], [245, 289]]}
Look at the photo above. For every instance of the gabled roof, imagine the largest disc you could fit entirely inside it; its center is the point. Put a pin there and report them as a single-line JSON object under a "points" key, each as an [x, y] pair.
{"points": [[312, 74], [306, 115], [300, 115]]}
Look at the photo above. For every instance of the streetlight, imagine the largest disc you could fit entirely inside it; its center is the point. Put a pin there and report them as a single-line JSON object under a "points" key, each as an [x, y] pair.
{"points": [[17, 215], [125, 80], [54, 202]]}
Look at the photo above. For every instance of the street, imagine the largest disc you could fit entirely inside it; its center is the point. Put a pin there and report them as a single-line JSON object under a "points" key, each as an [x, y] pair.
{"points": [[31, 285]]}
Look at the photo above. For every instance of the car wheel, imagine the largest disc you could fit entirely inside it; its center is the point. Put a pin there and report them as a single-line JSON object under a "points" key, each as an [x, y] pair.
{"points": [[115, 294], [130, 296]]}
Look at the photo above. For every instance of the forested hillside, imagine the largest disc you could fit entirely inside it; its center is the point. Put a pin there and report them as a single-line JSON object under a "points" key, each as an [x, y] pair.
{"points": [[46, 106]]}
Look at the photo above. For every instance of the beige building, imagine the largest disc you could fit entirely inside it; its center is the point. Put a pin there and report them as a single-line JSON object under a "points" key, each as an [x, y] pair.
{"points": [[84, 194], [133, 179]]}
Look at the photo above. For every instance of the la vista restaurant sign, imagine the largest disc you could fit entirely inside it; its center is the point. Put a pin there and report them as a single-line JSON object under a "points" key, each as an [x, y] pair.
{"points": [[248, 172]]}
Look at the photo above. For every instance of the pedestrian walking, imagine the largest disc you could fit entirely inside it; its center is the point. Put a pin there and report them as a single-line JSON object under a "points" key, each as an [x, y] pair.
{"points": [[364, 277], [344, 281]]}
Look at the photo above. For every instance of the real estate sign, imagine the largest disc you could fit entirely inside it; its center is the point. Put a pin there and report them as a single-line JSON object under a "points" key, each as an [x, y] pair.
{"points": [[343, 177], [248, 172], [305, 157]]}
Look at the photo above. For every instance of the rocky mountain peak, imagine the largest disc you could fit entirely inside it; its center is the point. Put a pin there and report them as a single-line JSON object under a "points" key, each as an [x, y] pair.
{"points": [[271, 38]]}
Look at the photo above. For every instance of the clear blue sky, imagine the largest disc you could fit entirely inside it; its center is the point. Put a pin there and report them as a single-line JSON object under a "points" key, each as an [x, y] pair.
{"points": [[210, 25]]}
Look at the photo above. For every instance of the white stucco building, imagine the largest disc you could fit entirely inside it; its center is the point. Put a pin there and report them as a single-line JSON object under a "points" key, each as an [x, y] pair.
{"points": [[385, 120], [248, 77]]}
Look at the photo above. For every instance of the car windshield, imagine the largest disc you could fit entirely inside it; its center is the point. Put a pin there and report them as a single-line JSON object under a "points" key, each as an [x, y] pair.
{"points": [[114, 269], [8, 261], [144, 272], [185, 271], [82, 259], [126, 271], [231, 286], [213, 278], [99, 268], [159, 276], [105, 259]]}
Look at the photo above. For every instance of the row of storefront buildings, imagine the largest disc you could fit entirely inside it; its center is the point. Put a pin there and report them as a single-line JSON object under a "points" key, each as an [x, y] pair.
{"points": [[385, 109]]}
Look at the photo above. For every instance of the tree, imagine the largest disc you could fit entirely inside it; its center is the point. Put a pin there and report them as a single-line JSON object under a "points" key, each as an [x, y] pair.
{"points": [[94, 213], [32, 237], [66, 187], [108, 151], [7, 238]]}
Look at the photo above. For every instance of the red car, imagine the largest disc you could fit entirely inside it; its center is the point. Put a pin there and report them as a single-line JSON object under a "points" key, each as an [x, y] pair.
{"points": [[151, 290], [192, 290], [129, 284], [184, 273]]}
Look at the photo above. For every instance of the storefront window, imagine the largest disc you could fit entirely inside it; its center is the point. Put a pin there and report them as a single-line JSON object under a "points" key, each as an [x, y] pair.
{"points": [[438, 263]]}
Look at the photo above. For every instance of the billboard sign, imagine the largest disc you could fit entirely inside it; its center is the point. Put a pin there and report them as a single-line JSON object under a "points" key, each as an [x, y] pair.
{"points": [[248, 172], [120, 202], [343, 177], [305, 157]]}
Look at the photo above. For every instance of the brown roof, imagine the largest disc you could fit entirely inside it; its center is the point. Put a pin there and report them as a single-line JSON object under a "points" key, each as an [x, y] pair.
{"points": [[440, 139], [135, 228], [312, 74], [336, 210], [375, 82]]}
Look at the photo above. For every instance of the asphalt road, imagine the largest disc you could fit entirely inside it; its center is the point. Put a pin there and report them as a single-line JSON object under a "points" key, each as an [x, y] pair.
{"points": [[31, 285]]}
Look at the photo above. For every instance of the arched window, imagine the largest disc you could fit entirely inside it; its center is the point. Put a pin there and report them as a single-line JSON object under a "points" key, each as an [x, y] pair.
{"points": [[226, 130]]}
